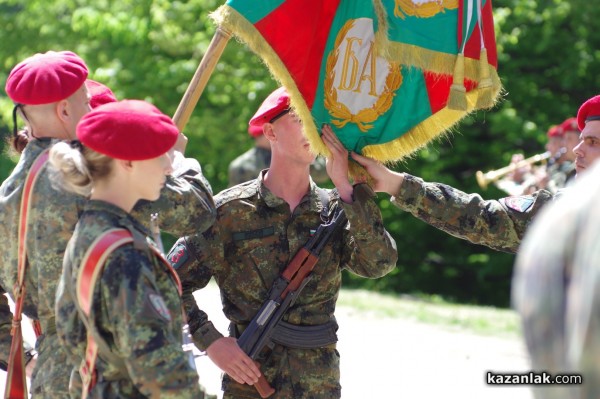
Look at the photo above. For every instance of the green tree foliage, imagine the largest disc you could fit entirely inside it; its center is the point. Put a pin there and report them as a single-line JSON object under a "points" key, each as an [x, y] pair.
{"points": [[149, 49]]}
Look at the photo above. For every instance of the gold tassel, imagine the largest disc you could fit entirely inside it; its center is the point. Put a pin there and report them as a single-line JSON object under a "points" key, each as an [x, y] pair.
{"points": [[457, 100], [484, 87]]}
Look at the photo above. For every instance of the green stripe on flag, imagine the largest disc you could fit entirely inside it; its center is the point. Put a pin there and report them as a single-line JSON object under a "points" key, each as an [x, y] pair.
{"points": [[254, 11], [413, 30]]}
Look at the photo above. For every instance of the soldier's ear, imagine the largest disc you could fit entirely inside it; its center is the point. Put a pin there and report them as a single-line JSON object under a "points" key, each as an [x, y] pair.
{"points": [[269, 133], [62, 110], [125, 165]]}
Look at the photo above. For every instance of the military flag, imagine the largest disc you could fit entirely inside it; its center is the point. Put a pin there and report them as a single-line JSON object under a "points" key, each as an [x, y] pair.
{"points": [[388, 75]]}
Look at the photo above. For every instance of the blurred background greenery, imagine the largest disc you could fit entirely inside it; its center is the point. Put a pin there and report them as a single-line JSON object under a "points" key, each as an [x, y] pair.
{"points": [[549, 63]]}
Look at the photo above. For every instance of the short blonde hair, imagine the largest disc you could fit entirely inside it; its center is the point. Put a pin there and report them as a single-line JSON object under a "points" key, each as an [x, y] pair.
{"points": [[75, 168]]}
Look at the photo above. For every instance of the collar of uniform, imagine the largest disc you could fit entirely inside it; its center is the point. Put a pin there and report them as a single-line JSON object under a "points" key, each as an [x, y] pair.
{"points": [[39, 145], [119, 213], [273, 201], [35, 147], [316, 205]]}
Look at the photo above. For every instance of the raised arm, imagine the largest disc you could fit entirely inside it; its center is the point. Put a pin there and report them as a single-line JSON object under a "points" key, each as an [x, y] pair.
{"points": [[499, 224]]}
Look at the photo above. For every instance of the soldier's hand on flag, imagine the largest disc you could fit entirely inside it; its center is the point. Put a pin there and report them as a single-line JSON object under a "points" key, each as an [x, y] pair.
{"points": [[229, 357], [384, 179], [337, 164]]}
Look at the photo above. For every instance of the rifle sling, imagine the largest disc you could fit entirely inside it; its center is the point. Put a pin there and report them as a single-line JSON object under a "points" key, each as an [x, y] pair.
{"points": [[16, 384], [90, 271]]}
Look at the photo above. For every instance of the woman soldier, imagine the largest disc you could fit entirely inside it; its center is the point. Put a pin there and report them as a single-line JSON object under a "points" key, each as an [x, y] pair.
{"points": [[118, 309], [50, 95]]}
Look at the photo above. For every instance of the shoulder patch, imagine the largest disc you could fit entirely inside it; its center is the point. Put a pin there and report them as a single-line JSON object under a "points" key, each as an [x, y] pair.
{"points": [[178, 255], [241, 191], [159, 305], [520, 204]]}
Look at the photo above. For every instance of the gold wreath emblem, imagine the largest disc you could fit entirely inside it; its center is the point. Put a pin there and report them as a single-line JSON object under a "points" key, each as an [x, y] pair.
{"points": [[424, 10], [366, 116]]}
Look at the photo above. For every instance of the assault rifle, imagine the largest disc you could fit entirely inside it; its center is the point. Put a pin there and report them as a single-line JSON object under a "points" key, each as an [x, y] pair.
{"points": [[283, 294]]}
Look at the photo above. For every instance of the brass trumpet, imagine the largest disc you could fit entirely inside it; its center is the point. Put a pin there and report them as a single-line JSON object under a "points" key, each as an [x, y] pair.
{"points": [[483, 179]]}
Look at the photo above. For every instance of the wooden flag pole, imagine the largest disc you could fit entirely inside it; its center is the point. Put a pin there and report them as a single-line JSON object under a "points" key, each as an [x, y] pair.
{"points": [[200, 78]]}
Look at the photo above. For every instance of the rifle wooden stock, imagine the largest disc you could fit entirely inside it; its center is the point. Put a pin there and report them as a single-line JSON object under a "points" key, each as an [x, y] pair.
{"points": [[263, 387], [303, 263]]}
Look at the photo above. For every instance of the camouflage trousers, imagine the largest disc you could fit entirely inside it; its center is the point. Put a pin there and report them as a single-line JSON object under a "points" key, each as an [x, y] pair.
{"points": [[294, 373], [52, 371]]}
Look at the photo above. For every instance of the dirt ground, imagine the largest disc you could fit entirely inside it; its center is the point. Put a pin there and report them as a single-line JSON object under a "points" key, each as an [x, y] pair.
{"points": [[394, 358]]}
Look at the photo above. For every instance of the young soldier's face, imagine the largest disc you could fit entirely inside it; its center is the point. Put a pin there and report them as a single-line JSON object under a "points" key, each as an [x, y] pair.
{"points": [[554, 144], [571, 141], [291, 141], [588, 149], [150, 176], [77, 106]]}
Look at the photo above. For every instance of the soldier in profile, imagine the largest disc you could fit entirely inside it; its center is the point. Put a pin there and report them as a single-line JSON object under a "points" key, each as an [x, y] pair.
{"points": [[261, 225], [119, 309], [249, 164]]}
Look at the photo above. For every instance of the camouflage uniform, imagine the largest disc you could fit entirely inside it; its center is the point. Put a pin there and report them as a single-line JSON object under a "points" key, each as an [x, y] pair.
{"points": [[556, 286], [498, 224], [559, 175], [137, 309], [248, 165], [254, 238], [185, 206]]}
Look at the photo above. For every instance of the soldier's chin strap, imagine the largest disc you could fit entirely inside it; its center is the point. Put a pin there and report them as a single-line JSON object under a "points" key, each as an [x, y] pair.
{"points": [[14, 115]]}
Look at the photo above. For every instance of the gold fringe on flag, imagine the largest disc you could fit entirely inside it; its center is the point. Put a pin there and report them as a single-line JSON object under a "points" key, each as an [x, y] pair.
{"points": [[436, 126], [233, 21]]}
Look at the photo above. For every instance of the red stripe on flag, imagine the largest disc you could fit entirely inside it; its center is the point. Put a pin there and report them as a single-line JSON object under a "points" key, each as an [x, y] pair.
{"points": [[298, 31], [438, 89]]}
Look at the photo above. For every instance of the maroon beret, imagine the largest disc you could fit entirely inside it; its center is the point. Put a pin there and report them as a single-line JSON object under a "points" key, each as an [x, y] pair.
{"points": [[275, 104], [99, 93], [46, 78], [131, 130], [569, 125], [589, 111], [255, 131], [555, 131]]}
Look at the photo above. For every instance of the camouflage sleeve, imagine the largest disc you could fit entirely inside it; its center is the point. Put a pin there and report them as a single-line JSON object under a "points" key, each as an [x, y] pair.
{"points": [[70, 329], [146, 326], [5, 329], [191, 257], [369, 250], [498, 224], [185, 205]]}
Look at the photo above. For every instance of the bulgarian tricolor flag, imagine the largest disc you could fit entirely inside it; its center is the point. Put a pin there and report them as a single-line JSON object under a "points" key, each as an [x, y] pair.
{"points": [[388, 75]]}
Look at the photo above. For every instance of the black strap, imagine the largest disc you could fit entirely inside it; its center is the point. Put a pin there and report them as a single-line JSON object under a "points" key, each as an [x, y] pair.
{"points": [[295, 336], [305, 337]]}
